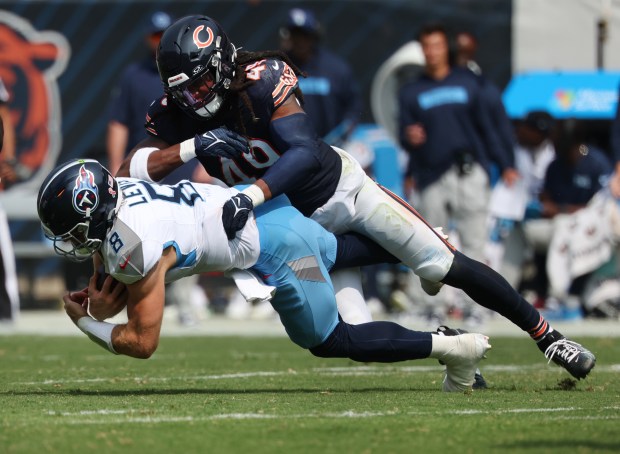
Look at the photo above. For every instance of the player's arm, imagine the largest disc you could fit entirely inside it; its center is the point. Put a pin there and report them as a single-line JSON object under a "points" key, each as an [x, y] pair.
{"points": [[139, 337], [153, 158], [292, 134]]}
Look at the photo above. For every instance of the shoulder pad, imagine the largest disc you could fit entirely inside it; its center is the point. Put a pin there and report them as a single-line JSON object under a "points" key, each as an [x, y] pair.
{"points": [[275, 77], [127, 258]]}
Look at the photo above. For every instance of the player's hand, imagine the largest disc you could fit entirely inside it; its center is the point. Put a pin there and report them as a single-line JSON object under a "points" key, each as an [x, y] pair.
{"points": [[235, 214], [510, 176], [415, 134], [75, 304], [107, 299], [220, 142]]}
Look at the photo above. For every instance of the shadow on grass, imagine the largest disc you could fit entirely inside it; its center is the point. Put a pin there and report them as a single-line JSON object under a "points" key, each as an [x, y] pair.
{"points": [[215, 391], [568, 444]]}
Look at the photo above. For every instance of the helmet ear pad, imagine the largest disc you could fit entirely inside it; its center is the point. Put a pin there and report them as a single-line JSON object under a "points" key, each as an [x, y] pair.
{"points": [[188, 49]]}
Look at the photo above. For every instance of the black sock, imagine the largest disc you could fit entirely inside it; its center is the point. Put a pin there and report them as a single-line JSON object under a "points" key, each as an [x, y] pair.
{"points": [[383, 342], [489, 289]]}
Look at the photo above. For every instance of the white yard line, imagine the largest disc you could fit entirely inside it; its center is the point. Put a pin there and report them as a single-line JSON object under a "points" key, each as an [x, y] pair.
{"points": [[74, 418], [328, 371]]}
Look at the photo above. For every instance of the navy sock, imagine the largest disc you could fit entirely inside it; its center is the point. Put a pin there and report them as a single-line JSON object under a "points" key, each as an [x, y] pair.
{"points": [[355, 249], [489, 289], [383, 342]]}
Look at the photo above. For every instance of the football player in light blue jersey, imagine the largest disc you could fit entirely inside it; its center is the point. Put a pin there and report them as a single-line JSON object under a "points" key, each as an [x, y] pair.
{"points": [[148, 234]]}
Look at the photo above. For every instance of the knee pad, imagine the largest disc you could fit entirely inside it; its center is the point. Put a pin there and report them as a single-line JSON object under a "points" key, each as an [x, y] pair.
{"points": [[435, 264]]}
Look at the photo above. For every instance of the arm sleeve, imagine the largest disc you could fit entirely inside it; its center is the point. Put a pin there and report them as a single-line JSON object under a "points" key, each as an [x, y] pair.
{"points": [[294, 136]]}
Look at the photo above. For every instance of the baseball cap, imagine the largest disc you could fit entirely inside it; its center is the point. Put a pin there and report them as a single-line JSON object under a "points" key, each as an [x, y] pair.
{"points": [[158, 22], [539, 120], [303, 19]]}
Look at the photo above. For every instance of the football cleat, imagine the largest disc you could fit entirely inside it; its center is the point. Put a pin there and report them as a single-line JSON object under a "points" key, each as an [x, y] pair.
{"points": [[573, 357], [479, 381], [462, 361]]}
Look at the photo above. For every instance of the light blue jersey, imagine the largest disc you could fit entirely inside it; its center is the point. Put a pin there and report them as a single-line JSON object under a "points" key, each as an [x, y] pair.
{"points": [[296, 254]]}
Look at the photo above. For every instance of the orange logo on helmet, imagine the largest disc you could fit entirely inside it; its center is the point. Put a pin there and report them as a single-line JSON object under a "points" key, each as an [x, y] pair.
{"points": [[202, 44]]}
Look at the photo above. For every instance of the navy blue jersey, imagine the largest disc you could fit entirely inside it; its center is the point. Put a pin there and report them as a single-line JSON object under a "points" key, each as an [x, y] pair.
{"points": [[273, 83]]}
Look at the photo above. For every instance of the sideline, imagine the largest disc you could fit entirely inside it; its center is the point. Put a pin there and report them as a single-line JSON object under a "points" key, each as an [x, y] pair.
{"points": [[56, 323]]}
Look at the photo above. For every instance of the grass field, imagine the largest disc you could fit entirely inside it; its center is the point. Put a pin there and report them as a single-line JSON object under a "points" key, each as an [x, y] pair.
{"points": [[250, 395]]}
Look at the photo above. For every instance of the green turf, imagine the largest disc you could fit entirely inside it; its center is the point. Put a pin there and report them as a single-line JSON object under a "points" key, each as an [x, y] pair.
{"points": [[247, 395]]}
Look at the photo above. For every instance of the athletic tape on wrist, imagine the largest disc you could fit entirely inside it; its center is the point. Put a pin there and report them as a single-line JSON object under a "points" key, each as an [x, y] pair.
{"points": [[188, 150], [255, 193], [139, 166], [98, 332]]}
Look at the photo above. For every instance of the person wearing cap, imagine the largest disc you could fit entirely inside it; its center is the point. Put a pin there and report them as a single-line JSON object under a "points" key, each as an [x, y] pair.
{"points": [[332, 96], [138, 85]]}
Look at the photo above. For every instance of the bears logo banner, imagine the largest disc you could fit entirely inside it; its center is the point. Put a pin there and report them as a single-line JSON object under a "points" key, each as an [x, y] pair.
{"points": [[30, 63]]}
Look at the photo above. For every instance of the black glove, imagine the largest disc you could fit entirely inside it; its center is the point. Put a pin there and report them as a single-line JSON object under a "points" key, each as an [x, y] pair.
{"points": [[220, 142], [235, 214]]}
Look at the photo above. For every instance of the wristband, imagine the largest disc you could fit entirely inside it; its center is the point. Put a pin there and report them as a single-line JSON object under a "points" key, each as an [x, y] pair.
{"points": [[188, 150], [255, 194], [98, 332], [139, 165]]}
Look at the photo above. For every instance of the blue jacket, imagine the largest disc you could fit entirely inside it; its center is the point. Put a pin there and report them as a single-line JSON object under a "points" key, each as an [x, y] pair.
{"points": [[456, 120]]}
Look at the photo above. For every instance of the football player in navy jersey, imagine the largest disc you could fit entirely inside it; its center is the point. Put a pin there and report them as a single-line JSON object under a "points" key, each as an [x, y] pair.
{"points": [[240, 114]]}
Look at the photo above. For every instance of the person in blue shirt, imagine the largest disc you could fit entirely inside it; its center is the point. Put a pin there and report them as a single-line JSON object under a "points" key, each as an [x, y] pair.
{"points": [[445, 125], [578, 172], [331, 93]]}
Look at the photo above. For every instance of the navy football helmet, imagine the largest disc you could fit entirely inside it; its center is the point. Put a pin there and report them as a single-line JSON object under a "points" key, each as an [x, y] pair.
{"points": [[77, 204], [196, 63]]}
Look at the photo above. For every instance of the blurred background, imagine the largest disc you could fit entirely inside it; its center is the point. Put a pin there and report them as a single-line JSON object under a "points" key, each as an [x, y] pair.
{"points": [[61, 63]]}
